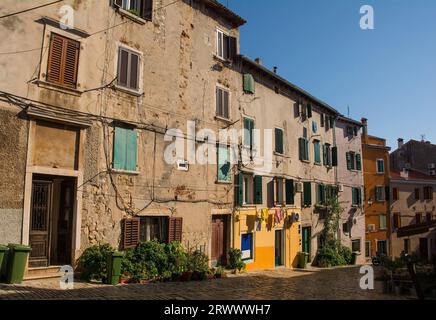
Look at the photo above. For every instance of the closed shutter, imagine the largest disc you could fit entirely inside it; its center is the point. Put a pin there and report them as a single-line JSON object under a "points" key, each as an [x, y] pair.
{"points": [[249, 84], [131, 143], [349, 166], [175, 226], [248, 134], [322, 119], [359, 196], [358, 162], [301, 148], [147, 9], [335, 156], [317, 152], [307, 194], [120, 148], [279, 140], [258, 198], [131, 232], [289, 192], [63, 61], [239, 194], [324, 155]]}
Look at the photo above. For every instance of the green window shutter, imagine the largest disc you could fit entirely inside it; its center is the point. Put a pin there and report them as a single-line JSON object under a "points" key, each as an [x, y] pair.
{"points": [[335, 156], [258, 199], [307, 194], [358, 162], [120, 149], [309, 110], [249, 84], [290, 191], [223, 174], [354, 196], [306, 150], [348, 155], [301, 148], [131, 152], [317, 147], [248, 133], [359, 196], [324, 154], [239, 194], [279, 140]]}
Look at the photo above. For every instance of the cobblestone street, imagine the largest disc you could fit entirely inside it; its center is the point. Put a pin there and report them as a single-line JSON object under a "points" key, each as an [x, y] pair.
{"points": [[282, 284]]}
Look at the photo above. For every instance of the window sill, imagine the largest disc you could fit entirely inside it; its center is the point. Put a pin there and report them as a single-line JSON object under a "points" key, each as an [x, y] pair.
{"points": [[318, 164], [129, 91], [119, 171], [58, 87], [226, 62], [223, 182], [279, 154], [131, 16], [305, 161], [218, 118]]}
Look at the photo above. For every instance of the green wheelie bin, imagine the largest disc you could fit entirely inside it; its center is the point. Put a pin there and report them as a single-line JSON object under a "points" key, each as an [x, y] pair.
{"points": [[114, 268], [3, 262], [303, 257], [17, 261]]}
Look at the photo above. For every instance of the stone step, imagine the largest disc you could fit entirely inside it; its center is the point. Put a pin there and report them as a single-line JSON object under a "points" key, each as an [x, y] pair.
{"points": [[42, 273]]}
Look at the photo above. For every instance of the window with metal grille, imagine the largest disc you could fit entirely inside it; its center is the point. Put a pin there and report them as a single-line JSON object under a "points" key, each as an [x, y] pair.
{"points": [[63, 61]]}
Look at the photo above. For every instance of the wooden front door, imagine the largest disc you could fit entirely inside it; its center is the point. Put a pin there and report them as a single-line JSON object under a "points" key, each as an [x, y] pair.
{"points": [[65, 224], [306, 238], [39, 233], [219, 240], [423, 248]]}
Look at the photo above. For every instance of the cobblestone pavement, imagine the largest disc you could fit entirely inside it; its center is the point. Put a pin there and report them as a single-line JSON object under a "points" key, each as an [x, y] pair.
{"points": [[281, 284]]}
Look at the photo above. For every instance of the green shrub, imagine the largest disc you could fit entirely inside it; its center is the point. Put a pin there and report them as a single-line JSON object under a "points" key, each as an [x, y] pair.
{"points": [[235, 260], [198, 262], [93, 262], [329, 257], [177, 258], [347, 254]]}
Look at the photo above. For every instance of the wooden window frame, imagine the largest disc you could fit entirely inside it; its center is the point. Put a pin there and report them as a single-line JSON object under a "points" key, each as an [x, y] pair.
{"points": [[127, 87], [377, 167], [220, 109]]}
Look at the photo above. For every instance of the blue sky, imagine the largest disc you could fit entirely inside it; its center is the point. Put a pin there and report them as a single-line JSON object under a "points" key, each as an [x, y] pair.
{"points": [[387, 75]]}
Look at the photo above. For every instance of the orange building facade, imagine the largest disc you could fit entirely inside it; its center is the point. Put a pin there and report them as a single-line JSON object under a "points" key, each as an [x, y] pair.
{"points": [[376, 203]]}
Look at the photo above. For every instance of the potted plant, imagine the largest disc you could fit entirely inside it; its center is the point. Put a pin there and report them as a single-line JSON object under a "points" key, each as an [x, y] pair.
{"points": [[219, 273]]}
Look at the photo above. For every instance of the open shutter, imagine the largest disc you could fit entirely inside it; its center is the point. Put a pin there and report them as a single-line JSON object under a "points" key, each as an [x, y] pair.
{"points": [[301, 148], [279, 141], [131, 232], [335, 156], [175, 226], [322, 119], [147, 9], [233, 48], [348, 155], [249, 83], [239, 189], [309, 110], [307, 194], [120, 149], [131, 150], [258, 199], [358, 162], [324, 154], [290, 191], [54, 72]]}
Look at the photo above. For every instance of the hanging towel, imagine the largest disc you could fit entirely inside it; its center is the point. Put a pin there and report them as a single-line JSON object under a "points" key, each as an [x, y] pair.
{"points": [[279, 213], [264, 214]]}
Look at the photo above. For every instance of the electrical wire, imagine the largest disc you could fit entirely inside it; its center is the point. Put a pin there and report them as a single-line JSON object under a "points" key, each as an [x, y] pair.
{"points": [[30, 9]]}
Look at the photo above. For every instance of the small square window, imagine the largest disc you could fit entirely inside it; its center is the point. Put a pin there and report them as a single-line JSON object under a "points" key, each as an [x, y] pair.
{"points": [[380, 166]]}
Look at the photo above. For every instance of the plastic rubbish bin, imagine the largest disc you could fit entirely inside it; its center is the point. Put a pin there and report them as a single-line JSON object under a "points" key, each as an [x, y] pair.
{"points": [[17, 261], [114, 268], [303, 257], [3, 261]]}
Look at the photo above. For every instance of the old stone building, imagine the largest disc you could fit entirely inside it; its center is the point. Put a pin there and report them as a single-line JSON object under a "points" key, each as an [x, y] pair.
{"points": [[350, 181], [84, 111], [140, 122], [414, 155], [413, 214]]}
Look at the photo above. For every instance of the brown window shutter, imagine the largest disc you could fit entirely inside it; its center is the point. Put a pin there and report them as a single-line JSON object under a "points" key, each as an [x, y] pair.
{"points": [[175, 229], [131, 232], [63, 61], [71, 62], [54, 72], [123, 68]]}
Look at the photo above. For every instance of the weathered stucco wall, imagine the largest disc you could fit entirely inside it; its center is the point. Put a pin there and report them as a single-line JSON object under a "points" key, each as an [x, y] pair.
{"points": [[13, 142]]}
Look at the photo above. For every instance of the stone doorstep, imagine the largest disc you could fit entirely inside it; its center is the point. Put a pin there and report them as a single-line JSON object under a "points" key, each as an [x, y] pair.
{"points": [[42, 273]]}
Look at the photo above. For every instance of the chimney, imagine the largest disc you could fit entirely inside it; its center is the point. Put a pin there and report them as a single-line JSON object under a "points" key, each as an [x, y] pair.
{"points": [[365, 127], [258, 61], [400, 143], [275, 69], [405, 174]]}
